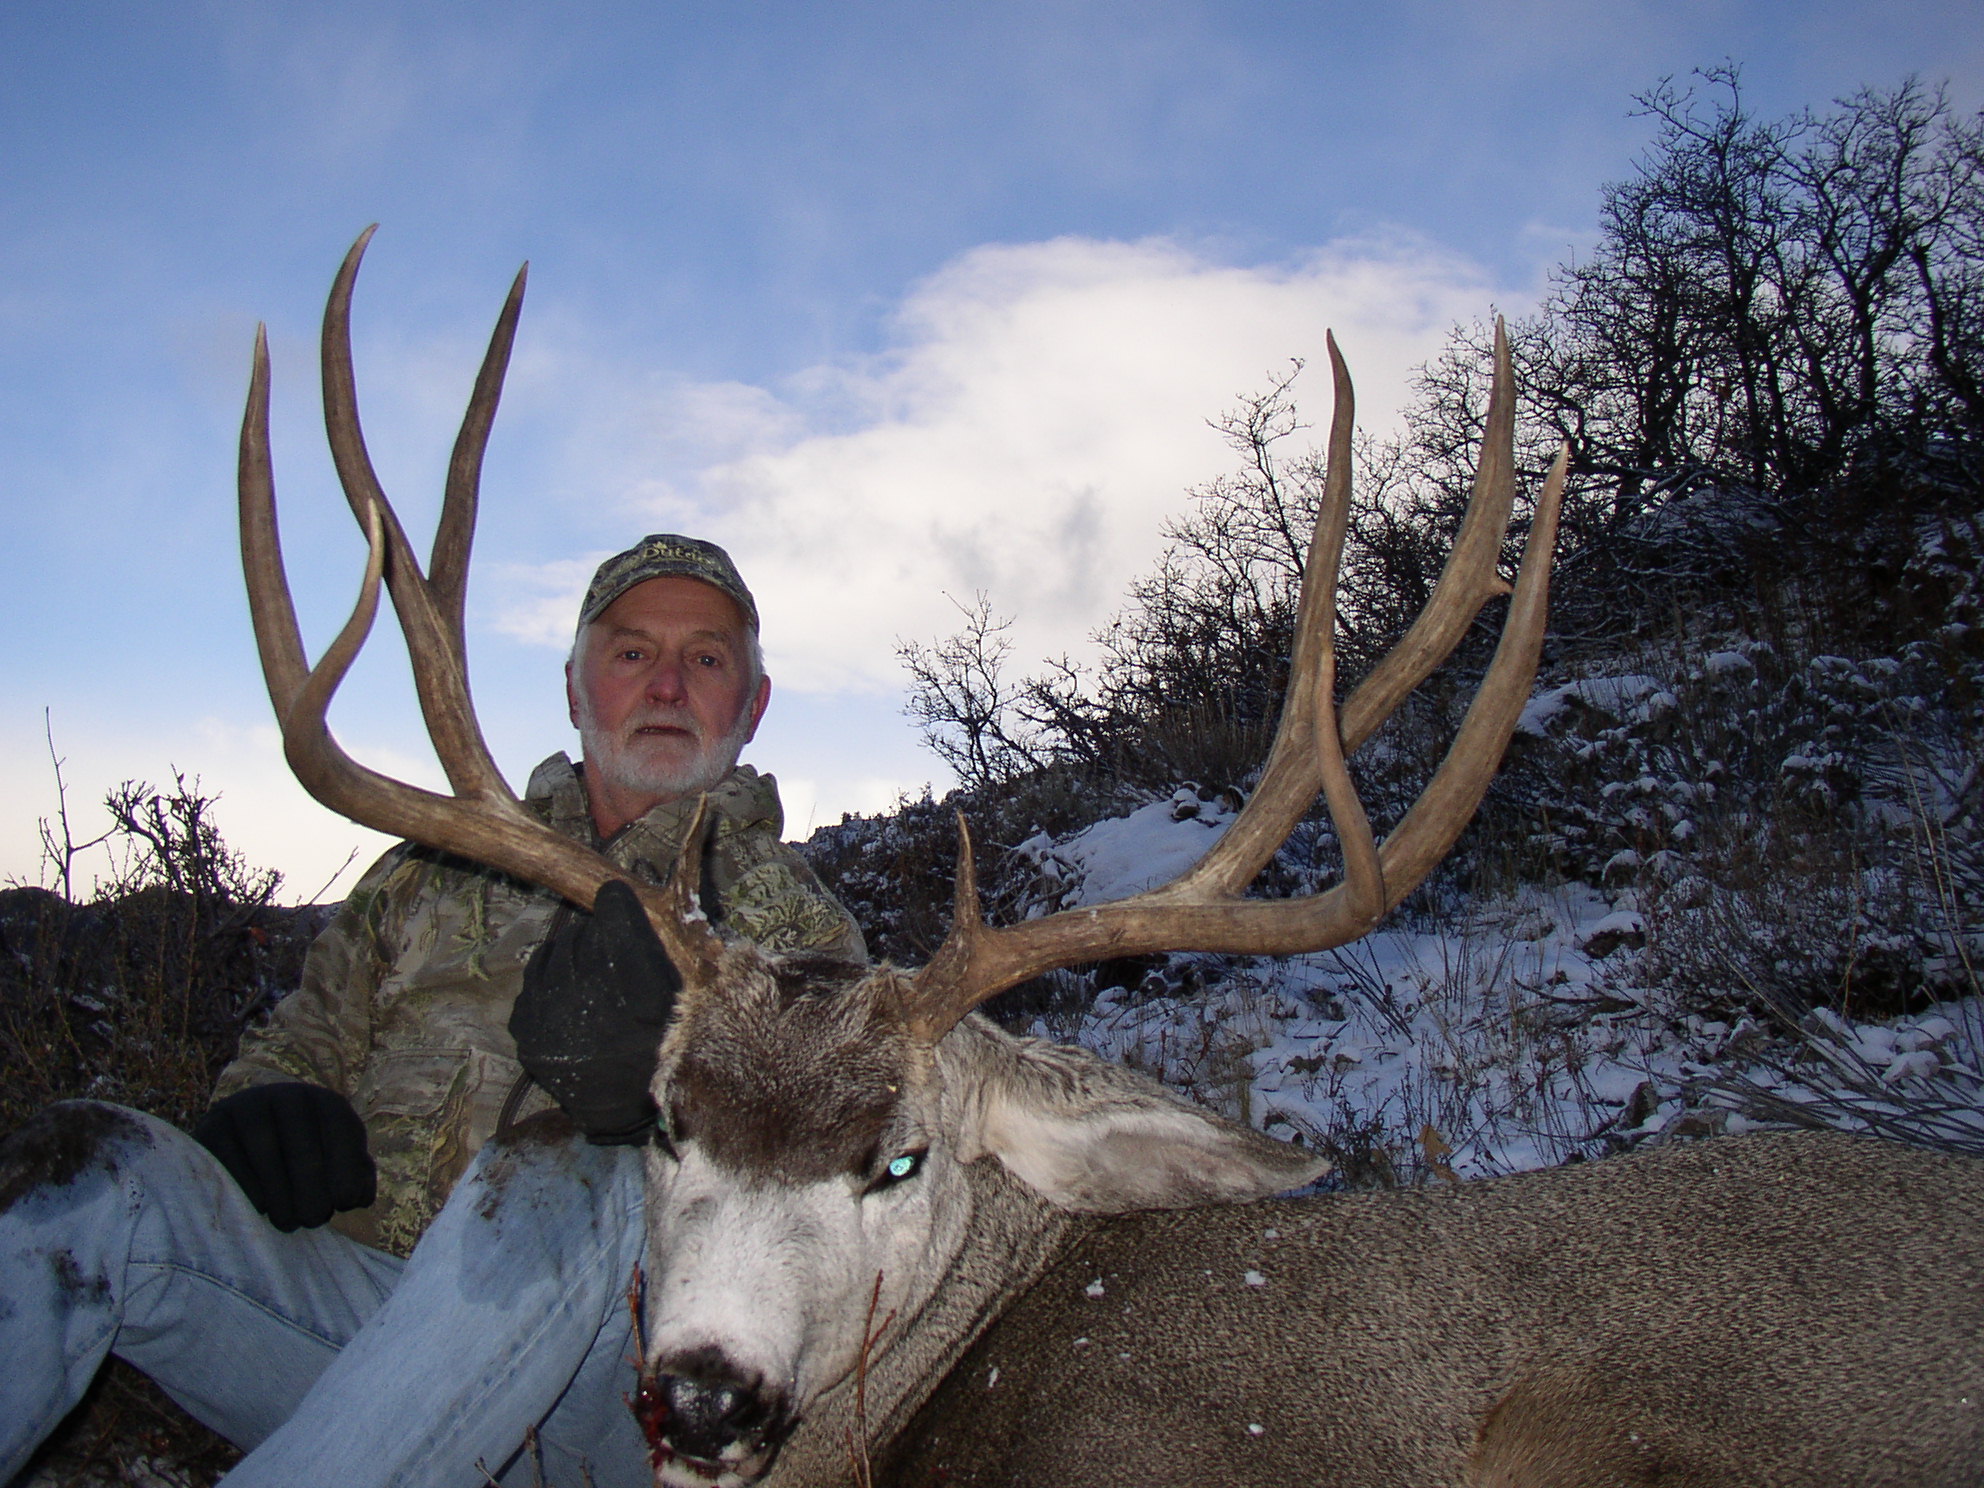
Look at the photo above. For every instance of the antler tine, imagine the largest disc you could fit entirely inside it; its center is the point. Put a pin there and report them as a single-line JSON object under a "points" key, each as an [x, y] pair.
{"points": [[962, 952], [1295, 771], [1469, 579], [433, 638], [447, 568], [1296, 767], [1442, 811], [488, 826], [270, 607], [1199, 911], [357, 478]]}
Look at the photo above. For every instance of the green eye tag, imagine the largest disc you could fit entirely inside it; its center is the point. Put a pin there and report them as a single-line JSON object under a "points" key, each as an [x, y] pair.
{"points": [[902, 1167]]}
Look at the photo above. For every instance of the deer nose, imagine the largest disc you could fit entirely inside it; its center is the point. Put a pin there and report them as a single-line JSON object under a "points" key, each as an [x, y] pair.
{"points": [[708, 1411]]}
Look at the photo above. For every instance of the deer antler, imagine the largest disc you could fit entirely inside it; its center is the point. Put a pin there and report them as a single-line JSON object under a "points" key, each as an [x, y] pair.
{"points": [[1202, 910], [482, 820]]}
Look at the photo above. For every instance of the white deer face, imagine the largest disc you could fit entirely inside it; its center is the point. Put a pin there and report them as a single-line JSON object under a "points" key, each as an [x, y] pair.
{"points": [[811, 1187], [805, 1158]]}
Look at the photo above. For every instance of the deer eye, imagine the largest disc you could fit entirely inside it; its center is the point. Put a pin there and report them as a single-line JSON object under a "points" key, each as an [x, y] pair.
{"points": [[899, 1169]]}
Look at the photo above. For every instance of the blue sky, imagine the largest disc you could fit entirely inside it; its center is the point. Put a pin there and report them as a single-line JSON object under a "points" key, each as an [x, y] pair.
{"points": [[896, 300]]}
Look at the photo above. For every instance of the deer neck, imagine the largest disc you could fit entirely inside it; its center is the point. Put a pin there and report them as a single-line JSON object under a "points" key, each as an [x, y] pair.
{"points": [[1011, 1238]]}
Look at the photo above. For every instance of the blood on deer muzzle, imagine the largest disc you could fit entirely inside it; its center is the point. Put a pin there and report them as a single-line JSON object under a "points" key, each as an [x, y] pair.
{"points": [[700, 1410]]}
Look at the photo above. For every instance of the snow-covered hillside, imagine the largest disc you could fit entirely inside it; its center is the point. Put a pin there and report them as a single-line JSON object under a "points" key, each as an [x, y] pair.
{"points": [[1517, 1033]]}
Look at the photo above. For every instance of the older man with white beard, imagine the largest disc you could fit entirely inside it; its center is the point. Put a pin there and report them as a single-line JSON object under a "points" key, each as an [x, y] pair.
{"points": [[666, 685], [380, 1258]]}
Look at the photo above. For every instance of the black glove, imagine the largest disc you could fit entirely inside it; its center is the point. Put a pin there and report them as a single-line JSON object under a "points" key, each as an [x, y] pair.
{"points": [[596, 1000], [298, 1152]]}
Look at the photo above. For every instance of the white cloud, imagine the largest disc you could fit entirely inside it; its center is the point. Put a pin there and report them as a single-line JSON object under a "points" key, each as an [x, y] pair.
{"points": [[1045, 407], [540, 602]]}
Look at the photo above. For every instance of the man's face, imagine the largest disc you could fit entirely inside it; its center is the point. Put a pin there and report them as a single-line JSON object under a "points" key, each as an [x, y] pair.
{"points": [[662, 693]]}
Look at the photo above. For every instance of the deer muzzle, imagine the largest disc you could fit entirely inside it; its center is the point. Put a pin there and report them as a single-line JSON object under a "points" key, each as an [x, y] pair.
{"points": [[708, 1422]]}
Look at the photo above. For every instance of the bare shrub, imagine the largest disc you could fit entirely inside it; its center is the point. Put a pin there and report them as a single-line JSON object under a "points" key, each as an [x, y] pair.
{"points": [[965, 705], [1771, 918], [1917, 1082], [138, 995]]}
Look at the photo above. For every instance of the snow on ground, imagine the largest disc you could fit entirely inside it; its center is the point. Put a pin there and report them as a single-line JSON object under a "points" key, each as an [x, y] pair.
{"points": [[1507, 1036], [1611, 695], [1127, 854]]}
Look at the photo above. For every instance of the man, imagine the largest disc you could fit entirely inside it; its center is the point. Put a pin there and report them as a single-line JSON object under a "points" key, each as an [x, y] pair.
{"points": [[442, 1007]]}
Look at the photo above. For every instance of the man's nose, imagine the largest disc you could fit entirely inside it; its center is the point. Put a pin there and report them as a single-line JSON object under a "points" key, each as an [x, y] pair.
{"points": [[668, 682]]}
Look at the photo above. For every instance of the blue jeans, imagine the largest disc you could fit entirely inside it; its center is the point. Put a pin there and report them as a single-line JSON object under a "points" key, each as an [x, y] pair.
{"points": [[332, 1363]]}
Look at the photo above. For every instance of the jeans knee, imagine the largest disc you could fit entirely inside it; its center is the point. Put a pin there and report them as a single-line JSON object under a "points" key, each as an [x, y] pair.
{"points": [[545, 1149], [69, 1141], [541, 1184]]}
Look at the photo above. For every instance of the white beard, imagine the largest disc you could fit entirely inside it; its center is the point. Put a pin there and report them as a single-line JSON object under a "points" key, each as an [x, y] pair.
{"points": [[621, 761]]}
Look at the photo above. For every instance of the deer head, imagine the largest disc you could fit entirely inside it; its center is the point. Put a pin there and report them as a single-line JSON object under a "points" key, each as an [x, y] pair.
{"points": [[832, 1138]]}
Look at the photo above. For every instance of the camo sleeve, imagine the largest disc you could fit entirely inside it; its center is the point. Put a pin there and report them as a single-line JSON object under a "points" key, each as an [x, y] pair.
{"points": [[773, 898], [322, 1031]]}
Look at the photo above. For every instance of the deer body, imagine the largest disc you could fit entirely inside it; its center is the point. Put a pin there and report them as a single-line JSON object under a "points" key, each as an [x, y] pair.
{"points": [[1749, 1312], [1779, 1309]]}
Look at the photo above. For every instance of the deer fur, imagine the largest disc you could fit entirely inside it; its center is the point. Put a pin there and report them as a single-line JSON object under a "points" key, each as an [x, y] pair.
{"points": [[1748, 1312]]}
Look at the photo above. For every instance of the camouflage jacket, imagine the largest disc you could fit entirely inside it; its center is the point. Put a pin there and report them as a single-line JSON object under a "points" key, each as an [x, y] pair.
{"points": [[405, 1001]]}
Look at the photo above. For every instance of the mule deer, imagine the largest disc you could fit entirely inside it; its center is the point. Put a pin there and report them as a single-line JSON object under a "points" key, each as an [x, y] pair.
{"points": [[891, 1242]]}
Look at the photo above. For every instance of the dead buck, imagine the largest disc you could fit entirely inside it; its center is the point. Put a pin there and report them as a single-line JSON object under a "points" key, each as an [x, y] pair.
{"points": [[1081, 1292]]}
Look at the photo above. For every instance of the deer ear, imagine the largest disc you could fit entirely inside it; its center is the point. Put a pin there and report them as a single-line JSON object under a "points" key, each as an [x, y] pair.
{"points": [[1096, 1138]]}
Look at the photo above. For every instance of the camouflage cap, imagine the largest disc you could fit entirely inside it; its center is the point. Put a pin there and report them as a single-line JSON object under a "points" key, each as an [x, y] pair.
{"points": [[659, 555]]}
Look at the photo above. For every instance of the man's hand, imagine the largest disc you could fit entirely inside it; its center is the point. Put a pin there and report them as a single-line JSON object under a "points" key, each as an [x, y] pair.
{"points": [[596, 1000], [298, 1151]]}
